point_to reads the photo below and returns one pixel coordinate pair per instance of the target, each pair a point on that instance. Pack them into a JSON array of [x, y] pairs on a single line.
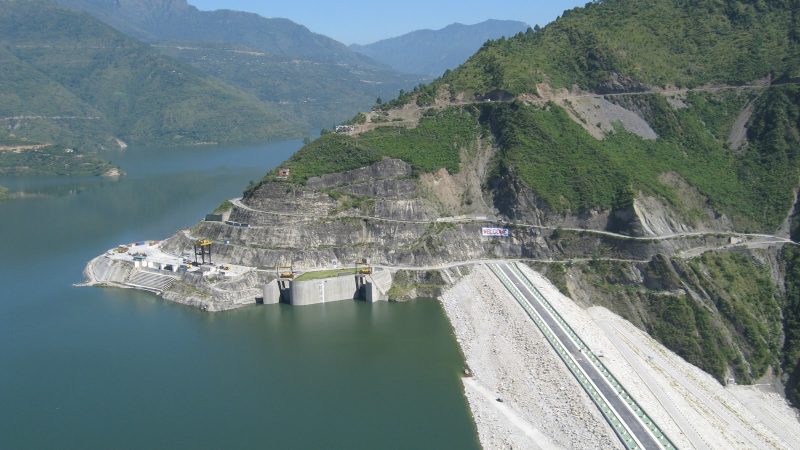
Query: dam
[[219, 286], [369, 288]]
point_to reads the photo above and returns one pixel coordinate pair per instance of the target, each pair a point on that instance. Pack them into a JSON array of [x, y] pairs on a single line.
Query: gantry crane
[[202, 249]]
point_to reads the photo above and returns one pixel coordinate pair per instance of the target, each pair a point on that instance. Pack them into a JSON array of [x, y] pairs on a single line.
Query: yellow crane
[[363, 267], [202, 249], [284, 272]]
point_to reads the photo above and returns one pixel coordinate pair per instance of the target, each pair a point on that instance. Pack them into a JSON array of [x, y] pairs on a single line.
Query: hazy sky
[[365, 21]]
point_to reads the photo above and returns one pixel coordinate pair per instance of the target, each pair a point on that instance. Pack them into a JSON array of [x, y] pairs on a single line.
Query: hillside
[[313, 94], [20, 156], [314, 80], [69, 79], [622, 45], [635, 156], [431, 52]]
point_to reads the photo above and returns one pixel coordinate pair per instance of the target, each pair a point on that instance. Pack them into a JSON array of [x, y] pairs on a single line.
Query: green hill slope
[[618, 45], [177, 20], [76, 81]]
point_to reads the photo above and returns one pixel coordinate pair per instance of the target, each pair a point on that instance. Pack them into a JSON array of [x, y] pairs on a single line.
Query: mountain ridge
[[431, 52], [171, 20]]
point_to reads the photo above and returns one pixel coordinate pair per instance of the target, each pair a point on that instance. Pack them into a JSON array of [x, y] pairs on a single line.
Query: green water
[[112, 369]]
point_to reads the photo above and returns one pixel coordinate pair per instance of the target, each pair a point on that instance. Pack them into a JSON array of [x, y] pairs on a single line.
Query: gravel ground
[[543, 406]]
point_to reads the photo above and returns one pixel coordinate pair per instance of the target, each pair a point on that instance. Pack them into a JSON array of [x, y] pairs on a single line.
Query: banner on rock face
[[495, 232]]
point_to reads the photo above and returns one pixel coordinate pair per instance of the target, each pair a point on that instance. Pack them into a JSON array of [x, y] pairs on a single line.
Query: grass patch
[[223, 207], [434, 144], [319, 275], [744, 294]]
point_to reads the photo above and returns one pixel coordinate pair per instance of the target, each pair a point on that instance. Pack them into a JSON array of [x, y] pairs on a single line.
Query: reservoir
[[85, 368]]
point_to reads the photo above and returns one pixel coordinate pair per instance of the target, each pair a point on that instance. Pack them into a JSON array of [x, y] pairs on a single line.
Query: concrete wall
[[323, 291], [379, 282], [272, 293], [335, 289]]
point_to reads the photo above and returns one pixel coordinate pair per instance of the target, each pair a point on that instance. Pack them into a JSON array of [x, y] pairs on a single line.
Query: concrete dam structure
[[370, 288], [223, 286]]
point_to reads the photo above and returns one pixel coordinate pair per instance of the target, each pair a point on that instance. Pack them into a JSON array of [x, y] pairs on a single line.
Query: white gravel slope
[[543, 406]]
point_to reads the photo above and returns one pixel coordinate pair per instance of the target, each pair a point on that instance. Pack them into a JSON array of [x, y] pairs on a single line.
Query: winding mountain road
[[765, 237]]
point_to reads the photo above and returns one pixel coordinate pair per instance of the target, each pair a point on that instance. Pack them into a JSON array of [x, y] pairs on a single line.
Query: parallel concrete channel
[[150, 281], [635, 429]]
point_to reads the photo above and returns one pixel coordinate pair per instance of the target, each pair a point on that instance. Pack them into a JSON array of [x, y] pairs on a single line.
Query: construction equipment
[[284, 272], [363, 267], [202, 249]]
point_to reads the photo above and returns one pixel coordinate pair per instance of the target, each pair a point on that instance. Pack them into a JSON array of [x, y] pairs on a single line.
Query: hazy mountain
[[176, 20], [431, 52], [67, 78], [315, 80]]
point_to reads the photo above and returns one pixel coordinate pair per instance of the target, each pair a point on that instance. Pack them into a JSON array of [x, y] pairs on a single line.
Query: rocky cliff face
[[384, 213]]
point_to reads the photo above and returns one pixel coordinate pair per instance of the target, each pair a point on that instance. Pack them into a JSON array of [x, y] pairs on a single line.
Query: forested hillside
[[66, 78]]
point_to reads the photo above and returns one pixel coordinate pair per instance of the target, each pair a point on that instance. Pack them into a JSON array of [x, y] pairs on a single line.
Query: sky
[[366, 21]]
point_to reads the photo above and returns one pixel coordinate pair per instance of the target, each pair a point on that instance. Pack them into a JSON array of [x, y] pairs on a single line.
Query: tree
[[379, 101]]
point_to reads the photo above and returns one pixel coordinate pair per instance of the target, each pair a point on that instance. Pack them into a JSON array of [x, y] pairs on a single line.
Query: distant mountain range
[[431, 52], [67, 78], [176, 20], [314, 80]]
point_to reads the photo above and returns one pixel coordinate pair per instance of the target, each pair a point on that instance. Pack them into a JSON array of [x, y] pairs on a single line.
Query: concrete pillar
[[272, 293], [369, 293]]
